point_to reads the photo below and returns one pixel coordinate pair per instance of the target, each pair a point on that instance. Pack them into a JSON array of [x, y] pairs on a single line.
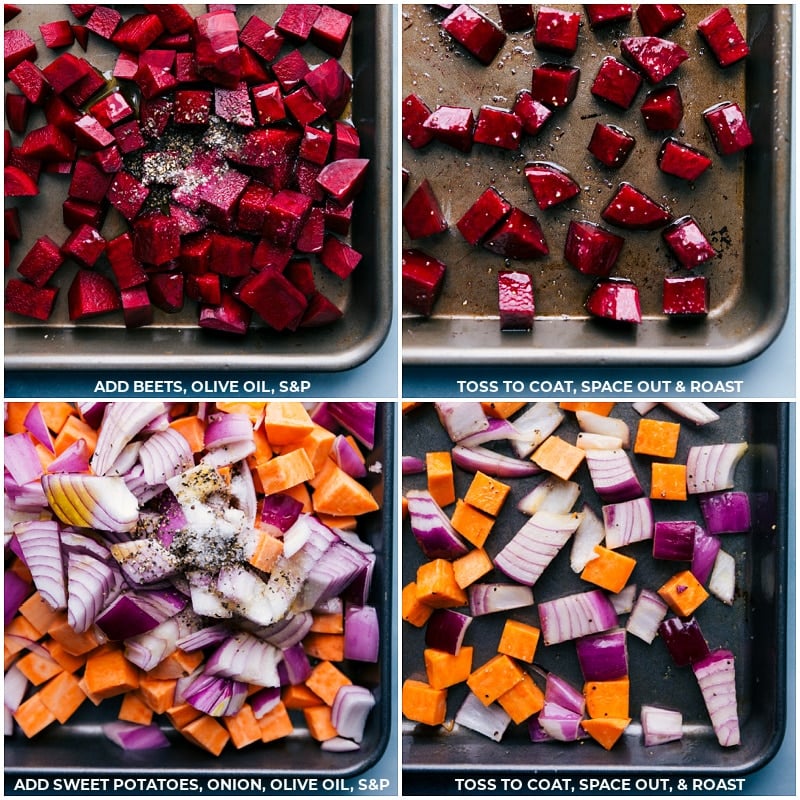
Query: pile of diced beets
[[233, 169], [494, 224]]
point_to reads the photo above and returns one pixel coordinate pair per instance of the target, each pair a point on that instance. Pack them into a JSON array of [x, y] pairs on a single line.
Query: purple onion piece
[[490, 721], [628, 522], [660, 725], [684, 640], [130, 736], [489, 598], [705, 552], [561, 694], [35, 425], [40, 544], [481, 459], [358, 418], [15, 590], [361, 634], [411, 465], [726, 512], [350, 710], [613, 476], [461, 419], [674, 540], [576, 615], [648, 613], [446, 629], [20, 458], [74, 458], [716, 676], [431, 528], [603, 656]]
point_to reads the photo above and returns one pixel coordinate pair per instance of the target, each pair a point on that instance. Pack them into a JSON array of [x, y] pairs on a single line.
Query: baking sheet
[[80, 747], [741, 203], [754, 628], [174, 341]]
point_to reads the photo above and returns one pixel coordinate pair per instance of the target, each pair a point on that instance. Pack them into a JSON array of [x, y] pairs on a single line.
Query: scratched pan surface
[[742, 202], [753, 628], [80, 747], [174, 341]]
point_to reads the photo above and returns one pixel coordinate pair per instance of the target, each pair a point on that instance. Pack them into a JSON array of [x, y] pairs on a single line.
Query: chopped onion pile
[[200, 561], [500, 543]]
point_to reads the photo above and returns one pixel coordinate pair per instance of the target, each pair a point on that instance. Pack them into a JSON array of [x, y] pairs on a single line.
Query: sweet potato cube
[[473, 525], [494, 678], [668, 482], [444, 669], [657, 438], [471, 567], [683, 593], [519, 640], [522, 700], [608, 569], [439, 466], [607, 698], [413, 610], [559, 457], [437, 587], [487, 494], [422, 703]]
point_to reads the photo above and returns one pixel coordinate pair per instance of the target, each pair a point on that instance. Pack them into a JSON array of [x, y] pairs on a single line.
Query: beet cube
[[320, 311], [662, 109], [230, 316], [138, 32], [303, 106], [166, 291], [452, 125], [286, 213], [616, 82], [90, 134], [682, 160], [216, 36], [90, 294], [89, 182], [515, 300], [91, 83], [684, 640], [10, 11], [154, 80], [156, 239], [261, 38], [174, 17], [268, 101], [31, 81], [656, 58], [84, 245], [77, 212], [339, 257], [297, 21], [64, 71], [316, 145], [17, 47], [128, 136], [195, 254], [18, 109], [475, 32], [206, 288], [685, 296], [415, 112], [555, 85], [301, 274], [154, 116], [17, 183], [233, 105], [591, 249], [127, 194], [518, 236], [48, 143], [311, 238], [252, 209], [615, 299], [551, 184], [28, 300], [275, 299], [331, 85], [304, 180], [331, 30], [344, 178], [610, 145], [112, 109], [532, 113], [658, 18], [422, 214], [12, 226], [600, 14], [556, 30], [127, 270], [488, 211], [515, 16], [423, 278], [192, 107], [723, 36], [728, 127], [687, 242], [104, 21], [231, 256], [631, 208], [136, 308], [498, 128], [338, 217], [290, 70], [41, 261]]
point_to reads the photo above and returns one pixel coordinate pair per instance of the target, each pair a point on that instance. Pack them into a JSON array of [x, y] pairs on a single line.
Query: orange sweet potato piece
[[206, 732], [275, 724], [324, 646], [487, 494], [341, 495], [134, 709], [441, 485], [33, 716], [158, 693], [75, 428], [332, 622], [286, 422], [668, 482], [63, 696], [193, 430], [318, 721], [494, 678], [284, 471], [56, 413], [437, 587], [422, 703], [38, 613], [325, 681], [501, 409], [596, 407], [606, 731], [607, 698], [559, 457], [473, 525], [472, 566], [243, 727], [38, 668], [15, 416], [317, 444], [74, 643], [657, 438], [444, 669], [413, 610], [299, 696], [109, 673], [181, 715], [519, 640], [522, 700], [608, 569], [266, 552], [683, 593]]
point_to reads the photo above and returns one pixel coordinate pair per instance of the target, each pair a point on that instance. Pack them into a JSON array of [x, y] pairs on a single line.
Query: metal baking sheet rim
[[343, 346], [443, 340]]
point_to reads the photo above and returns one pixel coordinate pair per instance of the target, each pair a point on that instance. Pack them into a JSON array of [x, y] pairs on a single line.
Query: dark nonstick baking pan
[[742, 203], [173, 340], [80, 748], [754, 627]]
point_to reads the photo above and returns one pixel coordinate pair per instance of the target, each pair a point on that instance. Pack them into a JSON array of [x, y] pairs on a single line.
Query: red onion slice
[[446, 629], [40, 544], [534, 426], [92, 501], [481, 459], [613, 476], [130, 736], [121, 422], [350, 710], [603, 656], [435, 535], [490, 721], [576, 615], [627, 522], [35, 425], [489, 598], [461, 419], [710, 468], [647, 614], [590, 532], [661, 725], [552, 494], [716, 676], [592, 423], [722, 582], [164, 455], [20, 458]]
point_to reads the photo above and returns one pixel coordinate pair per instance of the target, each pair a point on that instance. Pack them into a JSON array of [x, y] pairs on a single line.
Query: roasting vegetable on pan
[[201, 563], [481, 567]]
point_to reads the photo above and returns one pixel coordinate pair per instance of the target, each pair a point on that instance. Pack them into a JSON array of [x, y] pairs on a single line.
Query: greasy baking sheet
[[754, 628], [173, 340], [80, 747], [742, 203]]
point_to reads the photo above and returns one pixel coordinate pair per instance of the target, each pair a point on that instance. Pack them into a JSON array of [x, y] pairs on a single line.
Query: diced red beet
[[515, 16], [475, 32], [303, 106], [28, 300], [174, 16], [90, 294], [12, 229], [316, 145], [346, 141], [610, 145], [297, 20], [286, 213], [268, 102], [320, 311], [556, 30], [104, 21], [656, 58], [231, 256], [108, 159], [127, 270], [422, 214], [156, 239], [31, 81], [269, 255], [111, 110], [89, 134], [518, 236], [41, 261], [136, 308], [154, 80], [64, 71], [685, 296], [452, 125], [331, 85], [252, 208], [91, 83], [331, 29], [261, 38], [138, 32], [81, 33], [230, 316], [590, 248], [337, 217], [275, 299], [233, 105], [532, 113], [498, 127], [304, 180], [415, 112], [555, 85], [216, 37], [154, 116], [423, 278], [81, 10], [615, 299], [48, 143], [515, 300], [723, 36], [551, 184], [687, 242], [78, 212], [205, 288], [166, 290], [311, 238], [18, 109], [17, 47], [662, 109], [290, 70], [10, 11], [17, 183], [600, 14], [192, 107], [32, 167], [128, 136], [616, 82], [631, 208], [127, 194], [658, 18], [339, 257], [195, 254], [728, 127], [186, 69], [85, 245], [300, 272], [486, 213], [344, 178], [682, 160]]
